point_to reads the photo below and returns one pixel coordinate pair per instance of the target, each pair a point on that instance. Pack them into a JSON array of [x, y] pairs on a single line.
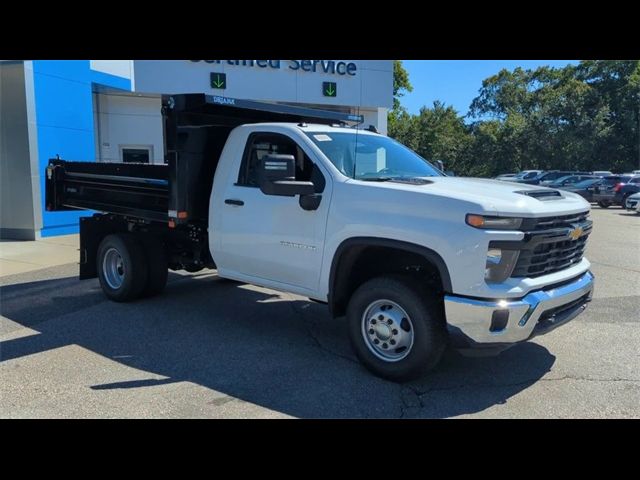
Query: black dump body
[[131, 189], [196, 128]]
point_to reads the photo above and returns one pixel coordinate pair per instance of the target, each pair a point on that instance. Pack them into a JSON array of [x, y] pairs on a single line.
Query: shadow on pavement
[[256, 345]]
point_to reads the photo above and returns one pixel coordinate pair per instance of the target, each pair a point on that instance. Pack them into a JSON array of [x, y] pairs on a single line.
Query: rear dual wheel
[[130, 267]]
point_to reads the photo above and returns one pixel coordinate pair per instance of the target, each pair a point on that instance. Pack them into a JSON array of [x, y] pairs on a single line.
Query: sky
[[456, 82]]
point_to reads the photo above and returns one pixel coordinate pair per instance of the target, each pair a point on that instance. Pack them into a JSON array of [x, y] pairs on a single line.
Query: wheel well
[[92, 231], [186, 248], [357, 262]]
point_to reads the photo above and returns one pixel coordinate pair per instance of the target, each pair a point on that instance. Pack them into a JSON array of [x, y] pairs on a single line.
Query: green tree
[[615, 84], [441, 134], [401, 83], [398, 120], [580, 117], [402, 126]]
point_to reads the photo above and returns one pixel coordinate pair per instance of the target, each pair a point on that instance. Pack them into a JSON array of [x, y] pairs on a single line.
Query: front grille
[[546, 223], [548, 246]]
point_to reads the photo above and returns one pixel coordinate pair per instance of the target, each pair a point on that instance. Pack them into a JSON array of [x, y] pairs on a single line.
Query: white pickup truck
[[297, 201]]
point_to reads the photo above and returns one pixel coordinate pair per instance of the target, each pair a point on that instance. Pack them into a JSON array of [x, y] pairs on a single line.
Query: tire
[[158, 267], [603, 205], [386, 298], [125, 282]]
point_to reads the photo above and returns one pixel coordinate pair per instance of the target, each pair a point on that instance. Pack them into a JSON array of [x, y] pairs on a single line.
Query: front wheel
[[603, 205], [397, 329]]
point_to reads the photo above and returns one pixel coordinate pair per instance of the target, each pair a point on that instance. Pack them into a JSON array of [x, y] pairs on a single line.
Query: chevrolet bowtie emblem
[[576, 233]]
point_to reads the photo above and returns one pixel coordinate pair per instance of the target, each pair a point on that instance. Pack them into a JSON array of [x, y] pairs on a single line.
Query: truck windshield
[[372, 157]]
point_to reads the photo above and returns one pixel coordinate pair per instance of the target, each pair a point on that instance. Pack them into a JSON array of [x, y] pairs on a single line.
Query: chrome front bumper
[[483, 323]]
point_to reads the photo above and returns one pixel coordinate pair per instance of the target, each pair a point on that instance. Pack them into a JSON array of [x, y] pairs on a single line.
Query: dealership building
[[109, 111]]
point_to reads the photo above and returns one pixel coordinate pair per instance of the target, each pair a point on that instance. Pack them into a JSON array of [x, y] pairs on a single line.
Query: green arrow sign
[[329, 89], [219, 80]]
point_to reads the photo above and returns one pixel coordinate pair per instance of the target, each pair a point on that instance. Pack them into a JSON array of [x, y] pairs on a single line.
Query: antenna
[[355, 149]]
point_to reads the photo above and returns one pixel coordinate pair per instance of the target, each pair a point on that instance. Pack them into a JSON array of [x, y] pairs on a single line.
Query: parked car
[[633, 203], [626, 190], [549, 179], [584, 188], [607, 193], [506, 176], [601, 173], [568, 180], [526, 175], [545, 176]]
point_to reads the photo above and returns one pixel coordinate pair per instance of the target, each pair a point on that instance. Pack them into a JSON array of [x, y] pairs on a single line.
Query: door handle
[[231, 201]]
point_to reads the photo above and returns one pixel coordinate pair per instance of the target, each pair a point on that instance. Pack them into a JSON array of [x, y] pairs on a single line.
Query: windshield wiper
[[376, 179], [407, 179]]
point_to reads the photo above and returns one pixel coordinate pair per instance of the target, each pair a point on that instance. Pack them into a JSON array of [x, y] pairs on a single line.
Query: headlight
[[500, 264], [493, 223]]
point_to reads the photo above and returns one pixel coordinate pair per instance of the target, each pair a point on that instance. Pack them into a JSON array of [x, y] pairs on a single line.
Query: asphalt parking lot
[[217, 349]]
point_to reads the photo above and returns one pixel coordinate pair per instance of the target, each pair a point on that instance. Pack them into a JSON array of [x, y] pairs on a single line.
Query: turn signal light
[[475, 220], [495, 223]]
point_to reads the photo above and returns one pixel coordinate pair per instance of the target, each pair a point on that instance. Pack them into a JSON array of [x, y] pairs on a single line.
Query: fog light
[[494, 255], [500, 264], [499, 320]]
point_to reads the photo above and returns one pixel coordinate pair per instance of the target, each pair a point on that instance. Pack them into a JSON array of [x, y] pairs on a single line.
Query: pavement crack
[[410, 397], [587, 379], [309, 325], [520, 383]]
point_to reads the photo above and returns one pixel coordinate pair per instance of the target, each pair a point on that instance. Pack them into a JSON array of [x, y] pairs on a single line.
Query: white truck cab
[[414, 260]]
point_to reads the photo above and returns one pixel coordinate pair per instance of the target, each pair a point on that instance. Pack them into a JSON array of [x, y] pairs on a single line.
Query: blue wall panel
[[69, 69], [110, 80], [63, 103], [64, 115]]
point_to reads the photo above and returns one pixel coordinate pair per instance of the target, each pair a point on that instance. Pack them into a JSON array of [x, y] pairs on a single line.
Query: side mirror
[[277, 176], [450, 173]]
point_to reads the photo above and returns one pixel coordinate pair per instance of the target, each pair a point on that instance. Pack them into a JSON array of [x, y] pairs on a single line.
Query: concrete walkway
[[25, 256]]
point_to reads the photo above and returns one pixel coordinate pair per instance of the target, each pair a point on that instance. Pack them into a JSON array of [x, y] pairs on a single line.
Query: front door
[[271, 237]]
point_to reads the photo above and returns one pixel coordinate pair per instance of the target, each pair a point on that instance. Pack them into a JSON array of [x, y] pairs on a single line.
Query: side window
[[261, 144]]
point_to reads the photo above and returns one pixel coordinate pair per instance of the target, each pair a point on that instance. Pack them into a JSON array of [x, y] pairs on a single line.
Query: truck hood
[[497, 197]]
